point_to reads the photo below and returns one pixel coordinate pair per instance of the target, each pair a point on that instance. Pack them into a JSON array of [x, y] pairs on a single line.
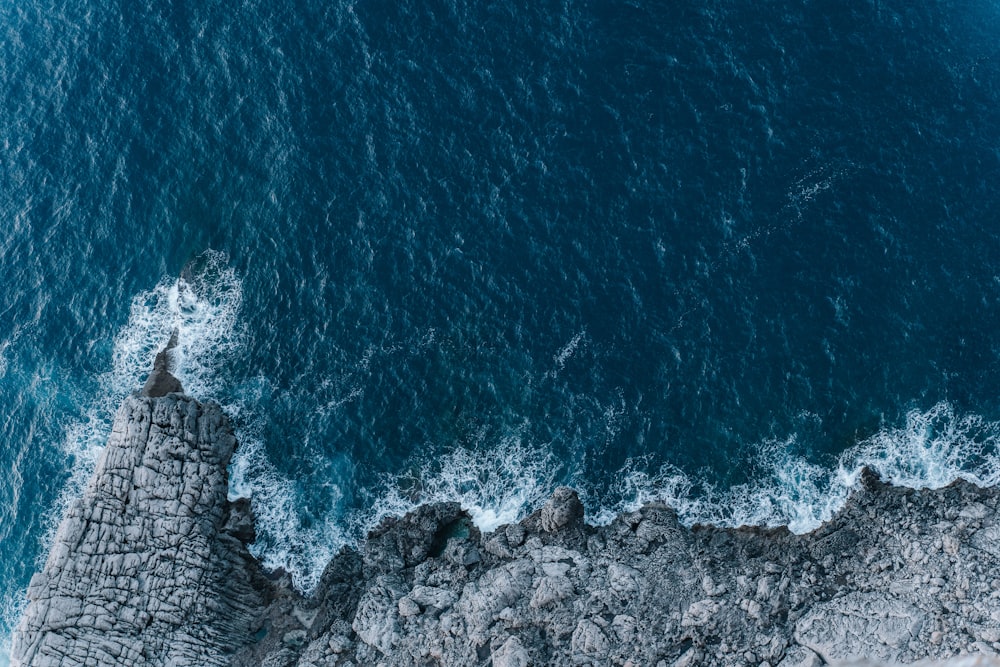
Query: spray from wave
[[503, 483], [931, 449], [202, 307], [10, 611], [286, 540], [495, 486]]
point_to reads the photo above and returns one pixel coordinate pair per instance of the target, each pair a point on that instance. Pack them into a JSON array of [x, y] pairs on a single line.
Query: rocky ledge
[[150, 567]]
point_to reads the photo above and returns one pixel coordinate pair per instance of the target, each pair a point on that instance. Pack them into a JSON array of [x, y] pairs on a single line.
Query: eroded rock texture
[[147, 567], [899, 575]]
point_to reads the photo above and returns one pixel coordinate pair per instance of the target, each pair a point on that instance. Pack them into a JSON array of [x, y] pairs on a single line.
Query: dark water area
[[720, 254]]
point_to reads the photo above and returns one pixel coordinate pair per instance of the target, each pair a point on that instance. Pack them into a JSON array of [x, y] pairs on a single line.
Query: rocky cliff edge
[[150, 567]]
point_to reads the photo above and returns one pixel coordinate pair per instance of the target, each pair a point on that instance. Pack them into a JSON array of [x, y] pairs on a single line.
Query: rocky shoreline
[[150, 567]]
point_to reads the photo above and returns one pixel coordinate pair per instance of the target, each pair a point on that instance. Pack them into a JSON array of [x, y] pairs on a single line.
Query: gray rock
[[511, 654], [859, 626], [142, 571], [150, 568], [550, 591], [432, 597], [800, 656], [377, 619], [562, 509], [589, 640], [161, 382], [700, 613]]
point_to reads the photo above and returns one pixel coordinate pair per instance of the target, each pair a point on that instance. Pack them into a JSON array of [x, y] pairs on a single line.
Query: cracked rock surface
[[897, 576], [145, 569], [150, 568]]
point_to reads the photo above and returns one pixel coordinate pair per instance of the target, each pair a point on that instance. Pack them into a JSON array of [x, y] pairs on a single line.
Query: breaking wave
[[502, 484], [285, 539], [496, 486], [931, 449], [202, 307]]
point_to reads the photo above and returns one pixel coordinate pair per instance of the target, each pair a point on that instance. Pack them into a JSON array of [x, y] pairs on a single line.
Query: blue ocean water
[[718, 253]]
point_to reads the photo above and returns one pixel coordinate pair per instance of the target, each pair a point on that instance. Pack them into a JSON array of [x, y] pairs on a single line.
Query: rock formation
[[150, 568], [161, 381], [899, 575]]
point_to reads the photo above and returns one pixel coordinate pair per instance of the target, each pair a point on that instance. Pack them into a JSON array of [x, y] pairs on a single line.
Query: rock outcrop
[[161, 381], [150, 568], [898, 576]]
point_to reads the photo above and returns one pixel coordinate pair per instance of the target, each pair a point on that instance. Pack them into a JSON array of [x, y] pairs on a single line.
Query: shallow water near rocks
[[720, 255]]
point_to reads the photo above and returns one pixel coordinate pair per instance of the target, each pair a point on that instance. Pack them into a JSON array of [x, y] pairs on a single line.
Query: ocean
[[720, 254]]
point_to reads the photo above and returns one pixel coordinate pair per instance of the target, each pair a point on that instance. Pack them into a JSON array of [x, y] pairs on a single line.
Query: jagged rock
[[800, 656], [589, 640], [377, 620], [433, 598], [978, 660], [562, 509], [404, 542], [143, 571], [150, 568], [161, 382], [551, 590], [511, 654], [700, 613]]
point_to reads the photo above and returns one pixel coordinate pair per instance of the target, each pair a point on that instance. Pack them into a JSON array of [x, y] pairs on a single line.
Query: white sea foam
[[203, 308], [10, 612], [503, 484], [931, 449], [283, 540], [496, 485], [566, 351], [3, 357]]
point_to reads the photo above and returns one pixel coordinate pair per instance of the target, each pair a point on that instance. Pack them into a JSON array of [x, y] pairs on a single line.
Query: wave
[[496, 483], [10, 612], [496, 486], [931, 449], [502, 484], [284, 540], [202, 306]]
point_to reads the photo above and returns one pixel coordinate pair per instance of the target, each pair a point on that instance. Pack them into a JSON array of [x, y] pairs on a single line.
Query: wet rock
[[561, 510], [160, 381], [403, 542]]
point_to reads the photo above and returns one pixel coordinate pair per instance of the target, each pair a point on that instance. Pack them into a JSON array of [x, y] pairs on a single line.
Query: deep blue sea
[[717, 253]]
